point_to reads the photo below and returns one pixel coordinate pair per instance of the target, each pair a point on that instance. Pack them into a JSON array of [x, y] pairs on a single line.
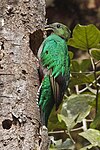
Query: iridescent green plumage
[[55, 64], [46, 99]]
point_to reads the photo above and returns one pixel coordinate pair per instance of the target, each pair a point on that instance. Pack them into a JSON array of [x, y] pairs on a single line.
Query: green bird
[[54, 68]]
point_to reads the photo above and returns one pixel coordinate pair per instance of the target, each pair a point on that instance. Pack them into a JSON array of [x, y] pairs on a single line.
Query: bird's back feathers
[[54, 60]]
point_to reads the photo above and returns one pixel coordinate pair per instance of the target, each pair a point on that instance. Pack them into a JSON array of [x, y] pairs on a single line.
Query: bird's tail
[[45, 98]]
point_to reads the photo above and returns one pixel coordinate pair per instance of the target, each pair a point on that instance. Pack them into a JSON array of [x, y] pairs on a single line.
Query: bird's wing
[[54, 57]]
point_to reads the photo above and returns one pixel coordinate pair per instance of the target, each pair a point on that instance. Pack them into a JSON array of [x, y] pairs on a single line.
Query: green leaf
[[85, 64], [75, 66], [70, 54], [93, 104], [75, 109], [79, 79], [55, 144], [95, 53], [93, 136], [53, 122], [91, 75], [69, 121], [85, 37], [58, 145], [80, 67], [98, 46], [96, 122]]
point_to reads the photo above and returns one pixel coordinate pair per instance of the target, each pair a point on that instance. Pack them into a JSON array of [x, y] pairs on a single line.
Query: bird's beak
[[49, 27]]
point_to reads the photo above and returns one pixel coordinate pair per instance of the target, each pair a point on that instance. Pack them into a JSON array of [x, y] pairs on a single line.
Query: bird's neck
[[65, 39], [52, 33]]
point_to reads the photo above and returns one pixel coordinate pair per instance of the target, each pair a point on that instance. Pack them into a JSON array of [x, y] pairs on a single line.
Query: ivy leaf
[[75, 66], [85, 64], [69, 121], [85, 37], [75, 108], [95, 53], [79, 79], [93, 136], [59, 144]]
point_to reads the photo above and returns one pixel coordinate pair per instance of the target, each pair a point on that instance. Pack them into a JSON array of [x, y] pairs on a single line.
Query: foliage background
[[76, 125]]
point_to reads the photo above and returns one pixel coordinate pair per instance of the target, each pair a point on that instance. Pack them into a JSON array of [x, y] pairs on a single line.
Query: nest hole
[[35, 40], [6, 124]]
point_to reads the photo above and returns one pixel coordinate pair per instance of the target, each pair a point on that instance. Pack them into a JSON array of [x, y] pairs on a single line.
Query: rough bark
[[19, 112]]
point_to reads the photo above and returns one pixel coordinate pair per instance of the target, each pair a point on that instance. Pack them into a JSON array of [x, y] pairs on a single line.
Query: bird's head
[[59, 29]]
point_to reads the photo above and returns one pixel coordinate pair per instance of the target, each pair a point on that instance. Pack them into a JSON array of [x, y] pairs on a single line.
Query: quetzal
[[54, 68]]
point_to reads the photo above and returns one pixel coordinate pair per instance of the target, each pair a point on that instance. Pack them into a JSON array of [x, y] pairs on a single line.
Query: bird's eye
[[58, 25]]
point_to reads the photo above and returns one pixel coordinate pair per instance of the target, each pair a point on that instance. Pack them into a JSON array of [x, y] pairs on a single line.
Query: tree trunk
[[19, 113]]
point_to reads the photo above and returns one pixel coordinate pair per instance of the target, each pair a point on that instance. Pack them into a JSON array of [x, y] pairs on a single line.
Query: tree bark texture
[[19, 112]]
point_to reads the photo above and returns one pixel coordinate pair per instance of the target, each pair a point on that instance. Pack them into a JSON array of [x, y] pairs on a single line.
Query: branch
[[88, 87], [72, 130]]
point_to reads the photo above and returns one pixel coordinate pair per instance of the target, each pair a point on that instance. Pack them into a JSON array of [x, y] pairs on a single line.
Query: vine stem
[[89, 87], [72, 130], [96, 82], [71, 137]]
